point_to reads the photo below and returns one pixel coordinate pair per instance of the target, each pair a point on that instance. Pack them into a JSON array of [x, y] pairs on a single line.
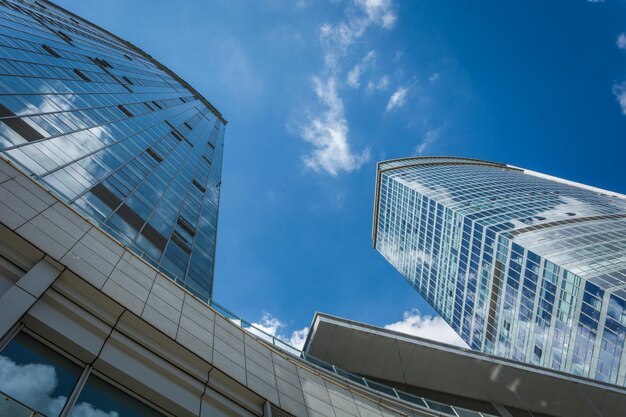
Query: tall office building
[[109, 185], [115, 135], [520, 264]]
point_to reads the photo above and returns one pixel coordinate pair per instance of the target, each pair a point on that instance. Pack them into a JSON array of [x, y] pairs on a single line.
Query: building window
[[154, 154], [36, 375], [124, 110], [20, 126], [81, 74], [198, 185], [99, 398], [65, 37], [51, 51]]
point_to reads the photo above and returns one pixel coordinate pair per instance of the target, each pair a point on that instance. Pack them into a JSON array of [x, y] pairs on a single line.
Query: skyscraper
[[521, 264], [109, 186], [115, 134]]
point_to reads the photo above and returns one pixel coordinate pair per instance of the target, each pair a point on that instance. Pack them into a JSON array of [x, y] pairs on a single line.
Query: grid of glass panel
[[42, 380], [522, 266], [114, 134]]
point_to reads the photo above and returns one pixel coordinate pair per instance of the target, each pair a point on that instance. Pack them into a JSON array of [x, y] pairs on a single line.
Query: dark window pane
[[36, 375], [99, 398]]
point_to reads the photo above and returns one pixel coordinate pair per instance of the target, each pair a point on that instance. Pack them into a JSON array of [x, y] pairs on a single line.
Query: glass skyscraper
[[520, 264], [114, 134]]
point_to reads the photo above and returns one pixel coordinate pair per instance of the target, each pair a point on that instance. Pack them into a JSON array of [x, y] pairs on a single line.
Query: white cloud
[[595, 1], [328, 133], [427, 327], [336, 39], [429, 138], [298, 337], [354, 76], [433, 77], [275, 327], [328, 130], [621, 41], [380, 85], [32, 384], [620, 93], [87, 410], [397, 99], [269, 324], [379, 12]]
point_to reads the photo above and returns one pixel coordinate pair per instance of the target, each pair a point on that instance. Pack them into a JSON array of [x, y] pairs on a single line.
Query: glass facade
[[34, 378], [520, 264], [36, 375], [114, 134]]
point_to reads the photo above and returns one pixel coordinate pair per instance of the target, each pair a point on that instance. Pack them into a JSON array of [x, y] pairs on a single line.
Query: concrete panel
[[167, 291], [230, 336], [343, 401], [13, 304], [317, 407], [216, 405], [88, 264], [294, 407], [367, 408], [146, 335], [40, 277], [57, 226], [33, 194], [203, 331], [7, 171], [289, 390], [136, 270], [71, 221], [262, 387], [88, 297], [285, 370], [13, 211], [46, 240], [17, 250], [199, 312], [150, 376], [229, 387], [194, 344], [152, 314], [25, 197], [73, 329], [227, 365], [313, 385], [128, 298]]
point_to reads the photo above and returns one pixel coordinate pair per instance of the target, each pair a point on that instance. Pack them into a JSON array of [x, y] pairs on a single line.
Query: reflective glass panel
[[36, 375], [99, 398]]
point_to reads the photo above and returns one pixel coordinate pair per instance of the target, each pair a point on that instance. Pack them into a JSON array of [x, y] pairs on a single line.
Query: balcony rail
[[416, 401], [440, 408]]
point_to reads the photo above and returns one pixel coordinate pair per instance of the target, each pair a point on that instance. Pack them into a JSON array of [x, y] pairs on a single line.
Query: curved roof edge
[[140, 51], [399, 163], [402, 359]]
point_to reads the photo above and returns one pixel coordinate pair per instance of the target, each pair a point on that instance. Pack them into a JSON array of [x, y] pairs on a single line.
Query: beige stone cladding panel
[[260, 369], [228, 349], [196, 327]]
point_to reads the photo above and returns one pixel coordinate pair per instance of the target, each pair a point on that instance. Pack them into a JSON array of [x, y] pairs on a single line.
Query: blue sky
[[318, 91]]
